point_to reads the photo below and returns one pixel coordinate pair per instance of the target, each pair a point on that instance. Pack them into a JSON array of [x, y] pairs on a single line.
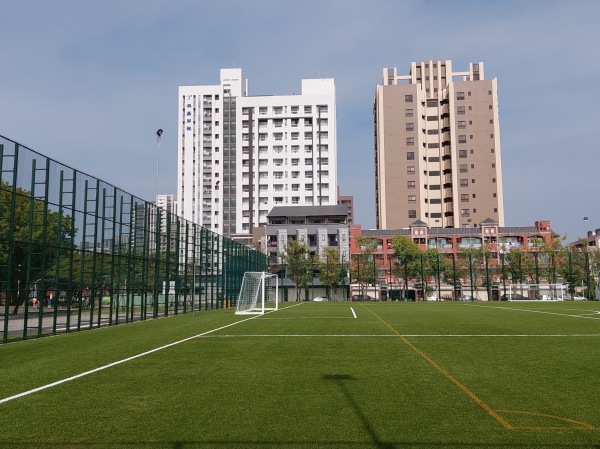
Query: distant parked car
[[320, 299], [362, 298], [465, 298]]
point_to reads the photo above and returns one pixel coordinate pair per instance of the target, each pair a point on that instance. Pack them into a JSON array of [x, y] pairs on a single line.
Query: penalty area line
[[118, 362]]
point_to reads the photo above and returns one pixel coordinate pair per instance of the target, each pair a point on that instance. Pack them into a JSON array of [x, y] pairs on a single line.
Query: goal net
[[258, 294], [537, 292]]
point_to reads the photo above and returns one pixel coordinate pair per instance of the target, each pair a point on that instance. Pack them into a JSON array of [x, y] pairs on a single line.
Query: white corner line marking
[[110, 365], [353, 312]]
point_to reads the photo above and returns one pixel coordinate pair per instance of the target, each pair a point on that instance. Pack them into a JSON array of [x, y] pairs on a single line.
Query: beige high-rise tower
[[437, 147]]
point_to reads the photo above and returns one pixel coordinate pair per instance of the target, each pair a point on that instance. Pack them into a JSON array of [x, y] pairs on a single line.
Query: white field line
[[110, 365], [403, 335], [593, 315], [353, 313]]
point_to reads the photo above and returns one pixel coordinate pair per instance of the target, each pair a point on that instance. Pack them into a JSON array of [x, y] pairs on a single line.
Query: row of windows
[[461, 95], [282, 187], [277, 110], [279, 123], [281, 162], [281, 149], [462, 183], [308, 135]]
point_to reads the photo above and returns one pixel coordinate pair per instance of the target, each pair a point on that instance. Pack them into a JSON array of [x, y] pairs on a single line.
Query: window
[[294, 109], [411, 184], [432, 103], [308, 161], [433, 145], [412, 199], [462, 138], [295, 161], [464, 197], [262, 110], [464, 183], [307, 109], [410, 126], [295, 174], [410, 156], [460, 95], [408, 98], [308, 148], [308, 122], [278, 123], [434, 187], [410, 141], [462, 124], [409, 112], [432, 118], [434, 173], [433, 131], [434, 159], [465, 213], [410, 169], [462, 153], [460, 110], [412, 213]]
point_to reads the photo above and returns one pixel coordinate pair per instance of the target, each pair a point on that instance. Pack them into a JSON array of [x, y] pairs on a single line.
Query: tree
[[32, 238], [407, 255], [363, 268], [297, 258], [329, 269]]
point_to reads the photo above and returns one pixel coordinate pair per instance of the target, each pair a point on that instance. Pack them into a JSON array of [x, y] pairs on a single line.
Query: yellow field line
[[447, 375]]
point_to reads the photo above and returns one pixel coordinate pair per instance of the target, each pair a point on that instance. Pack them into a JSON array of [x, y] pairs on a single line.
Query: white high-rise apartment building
[[239, 155]]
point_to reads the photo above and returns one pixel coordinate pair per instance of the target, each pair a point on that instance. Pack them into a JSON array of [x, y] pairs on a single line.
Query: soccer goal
[[537, 292], [258, 294]]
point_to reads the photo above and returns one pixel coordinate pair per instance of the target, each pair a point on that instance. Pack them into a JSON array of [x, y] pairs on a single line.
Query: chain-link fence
[[78, 253]]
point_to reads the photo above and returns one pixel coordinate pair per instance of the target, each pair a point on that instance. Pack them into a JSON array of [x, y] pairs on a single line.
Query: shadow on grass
[[341, 380]]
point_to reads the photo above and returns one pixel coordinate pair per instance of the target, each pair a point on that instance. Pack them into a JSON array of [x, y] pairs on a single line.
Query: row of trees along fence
[[576, 265]]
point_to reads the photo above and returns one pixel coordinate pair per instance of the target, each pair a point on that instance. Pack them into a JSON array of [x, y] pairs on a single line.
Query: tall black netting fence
[[78, 253]]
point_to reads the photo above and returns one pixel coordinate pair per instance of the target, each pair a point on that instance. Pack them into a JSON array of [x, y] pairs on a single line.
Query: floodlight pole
[[158, 136]]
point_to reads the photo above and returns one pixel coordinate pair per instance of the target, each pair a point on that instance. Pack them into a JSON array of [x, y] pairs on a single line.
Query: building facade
[[449, 242], [241, 155], [348, 201], [437, 147]]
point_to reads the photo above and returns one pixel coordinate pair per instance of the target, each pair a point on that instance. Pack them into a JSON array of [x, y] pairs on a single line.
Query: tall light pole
[[158, 136]]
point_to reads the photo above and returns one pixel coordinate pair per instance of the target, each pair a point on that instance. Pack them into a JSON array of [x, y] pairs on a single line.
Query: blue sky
[[89, 83]]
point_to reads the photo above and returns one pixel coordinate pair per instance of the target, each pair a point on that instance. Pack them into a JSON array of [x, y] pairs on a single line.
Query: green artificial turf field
[[315, 375]]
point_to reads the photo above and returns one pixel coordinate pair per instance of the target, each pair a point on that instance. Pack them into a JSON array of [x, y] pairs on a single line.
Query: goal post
[[259, 293], [537, 292]]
